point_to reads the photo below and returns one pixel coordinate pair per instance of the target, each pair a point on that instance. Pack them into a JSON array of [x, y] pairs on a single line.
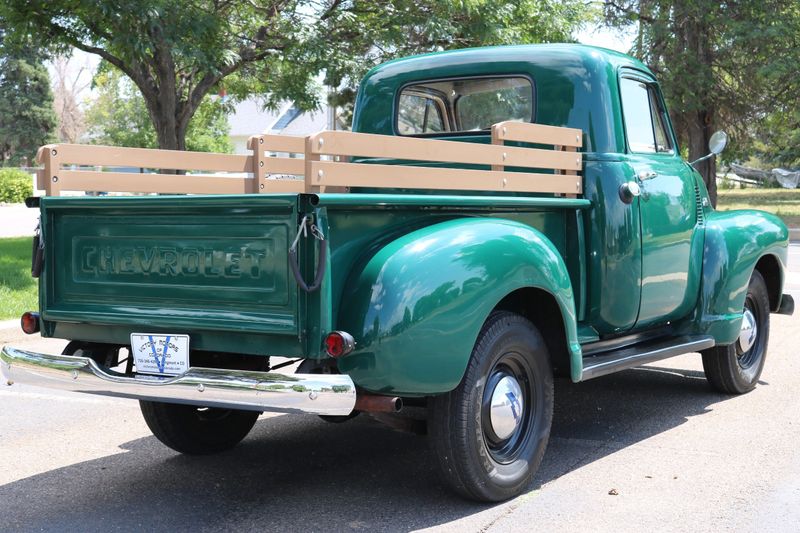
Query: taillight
[[339, 343], [30, 322]]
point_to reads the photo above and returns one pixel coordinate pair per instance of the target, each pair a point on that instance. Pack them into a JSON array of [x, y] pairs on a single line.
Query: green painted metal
[[437, 201], [574, 86], [613, 249], [414, 274], [417, 306], [734, 242], [671, 240], [181, 264]]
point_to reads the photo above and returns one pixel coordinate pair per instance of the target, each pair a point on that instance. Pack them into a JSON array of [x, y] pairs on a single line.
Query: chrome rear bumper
[[322, 394]]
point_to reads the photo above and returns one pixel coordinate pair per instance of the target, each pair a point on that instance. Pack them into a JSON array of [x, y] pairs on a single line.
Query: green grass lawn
[[783, 202], [18, 290]]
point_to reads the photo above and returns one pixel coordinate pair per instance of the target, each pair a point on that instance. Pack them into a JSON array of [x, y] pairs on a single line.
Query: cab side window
[[420, 113], [645, 121]]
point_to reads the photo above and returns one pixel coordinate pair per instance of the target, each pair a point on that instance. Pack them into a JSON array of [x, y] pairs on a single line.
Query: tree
[[360, 35], [118, 117], [778, 137], [722, 64], [27, 118], [68, 87], [177, 52]]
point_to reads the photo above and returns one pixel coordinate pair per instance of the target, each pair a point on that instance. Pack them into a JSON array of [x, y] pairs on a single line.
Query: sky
[[615, 39]]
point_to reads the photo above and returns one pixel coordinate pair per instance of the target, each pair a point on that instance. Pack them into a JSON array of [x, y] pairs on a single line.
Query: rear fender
[[417, 307]]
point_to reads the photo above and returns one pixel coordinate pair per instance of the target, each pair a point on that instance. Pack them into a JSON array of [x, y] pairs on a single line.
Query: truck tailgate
[[171, 263]]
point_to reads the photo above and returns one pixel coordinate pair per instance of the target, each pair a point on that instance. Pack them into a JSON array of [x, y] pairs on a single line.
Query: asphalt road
[[679, 456]]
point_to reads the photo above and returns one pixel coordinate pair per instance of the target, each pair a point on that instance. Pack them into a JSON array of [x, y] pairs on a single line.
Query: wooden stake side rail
[[321, 161]]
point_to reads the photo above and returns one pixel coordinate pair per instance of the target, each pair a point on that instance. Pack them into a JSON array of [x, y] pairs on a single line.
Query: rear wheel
[[736, 368], [197, 430], [490, 433]]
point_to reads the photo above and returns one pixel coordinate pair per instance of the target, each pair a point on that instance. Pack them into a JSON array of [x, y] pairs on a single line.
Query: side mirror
[[716, 144]]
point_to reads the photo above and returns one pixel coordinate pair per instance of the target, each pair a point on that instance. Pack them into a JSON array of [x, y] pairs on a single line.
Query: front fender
[[734, 243], [416, 308]]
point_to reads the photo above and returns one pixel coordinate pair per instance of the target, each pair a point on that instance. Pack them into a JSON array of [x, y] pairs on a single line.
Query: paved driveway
[[16, 220]]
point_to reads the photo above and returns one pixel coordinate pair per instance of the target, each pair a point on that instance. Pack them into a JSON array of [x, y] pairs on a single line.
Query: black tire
[[196, 430], [473, 460], [730, 369]]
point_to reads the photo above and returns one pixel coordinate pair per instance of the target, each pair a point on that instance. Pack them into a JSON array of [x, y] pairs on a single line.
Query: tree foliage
[[360, 35], [176, 52], [15, 185], [721, 64], [27, 118], [778, 140], [118, 117]]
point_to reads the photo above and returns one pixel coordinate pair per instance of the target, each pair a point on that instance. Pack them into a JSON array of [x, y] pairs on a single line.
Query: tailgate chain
[[37, 257], [323, 255]]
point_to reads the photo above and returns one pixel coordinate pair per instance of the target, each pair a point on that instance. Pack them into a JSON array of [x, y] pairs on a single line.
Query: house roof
[[250, 118]]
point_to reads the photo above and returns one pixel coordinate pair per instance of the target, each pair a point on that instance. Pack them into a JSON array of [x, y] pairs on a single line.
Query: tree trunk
[[693, 35], [170, 125], [700, 130], [171, 135]]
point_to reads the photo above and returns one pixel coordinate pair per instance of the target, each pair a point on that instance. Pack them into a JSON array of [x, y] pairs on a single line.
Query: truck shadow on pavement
[[300, 473]]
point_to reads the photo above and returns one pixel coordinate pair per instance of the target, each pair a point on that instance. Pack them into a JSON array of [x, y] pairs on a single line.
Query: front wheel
[[736, 368], [197, 430], [490, 433]]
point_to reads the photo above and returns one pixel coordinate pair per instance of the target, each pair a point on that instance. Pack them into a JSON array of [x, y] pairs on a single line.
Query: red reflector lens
[[339, 343], [30, 322], [334, 344]]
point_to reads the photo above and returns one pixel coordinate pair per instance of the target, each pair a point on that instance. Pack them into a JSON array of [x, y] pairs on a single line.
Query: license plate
[[166, 355]]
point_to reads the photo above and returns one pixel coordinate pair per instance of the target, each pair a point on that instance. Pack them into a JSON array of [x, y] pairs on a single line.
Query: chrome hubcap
[[507, 407], [749, 331]]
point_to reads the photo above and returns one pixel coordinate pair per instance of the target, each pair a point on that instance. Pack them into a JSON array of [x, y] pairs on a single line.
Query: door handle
[[647, 175], [628, 191]]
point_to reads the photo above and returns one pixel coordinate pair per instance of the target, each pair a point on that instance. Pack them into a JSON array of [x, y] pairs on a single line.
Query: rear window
[[463, 105]]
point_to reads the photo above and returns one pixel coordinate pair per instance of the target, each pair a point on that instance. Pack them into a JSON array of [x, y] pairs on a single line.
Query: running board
[[599, 365]]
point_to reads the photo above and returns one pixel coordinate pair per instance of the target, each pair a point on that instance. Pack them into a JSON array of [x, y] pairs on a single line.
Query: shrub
[[15, 185]]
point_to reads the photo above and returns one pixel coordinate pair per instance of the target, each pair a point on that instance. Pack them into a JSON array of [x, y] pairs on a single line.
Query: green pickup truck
[[497, 217]]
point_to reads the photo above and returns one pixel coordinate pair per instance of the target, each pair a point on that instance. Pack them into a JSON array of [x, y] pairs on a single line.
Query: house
[[250, 118]]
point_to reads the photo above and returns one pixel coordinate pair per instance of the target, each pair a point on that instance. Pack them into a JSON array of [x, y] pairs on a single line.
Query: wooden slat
[[259, 172], [283, 143], [40, 179], [537, 134], [327, 173], [309, 160], [88, 180], [284, 186], [45, 156], [284, 165], [572, 150], [344, 143], [84, 154]]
